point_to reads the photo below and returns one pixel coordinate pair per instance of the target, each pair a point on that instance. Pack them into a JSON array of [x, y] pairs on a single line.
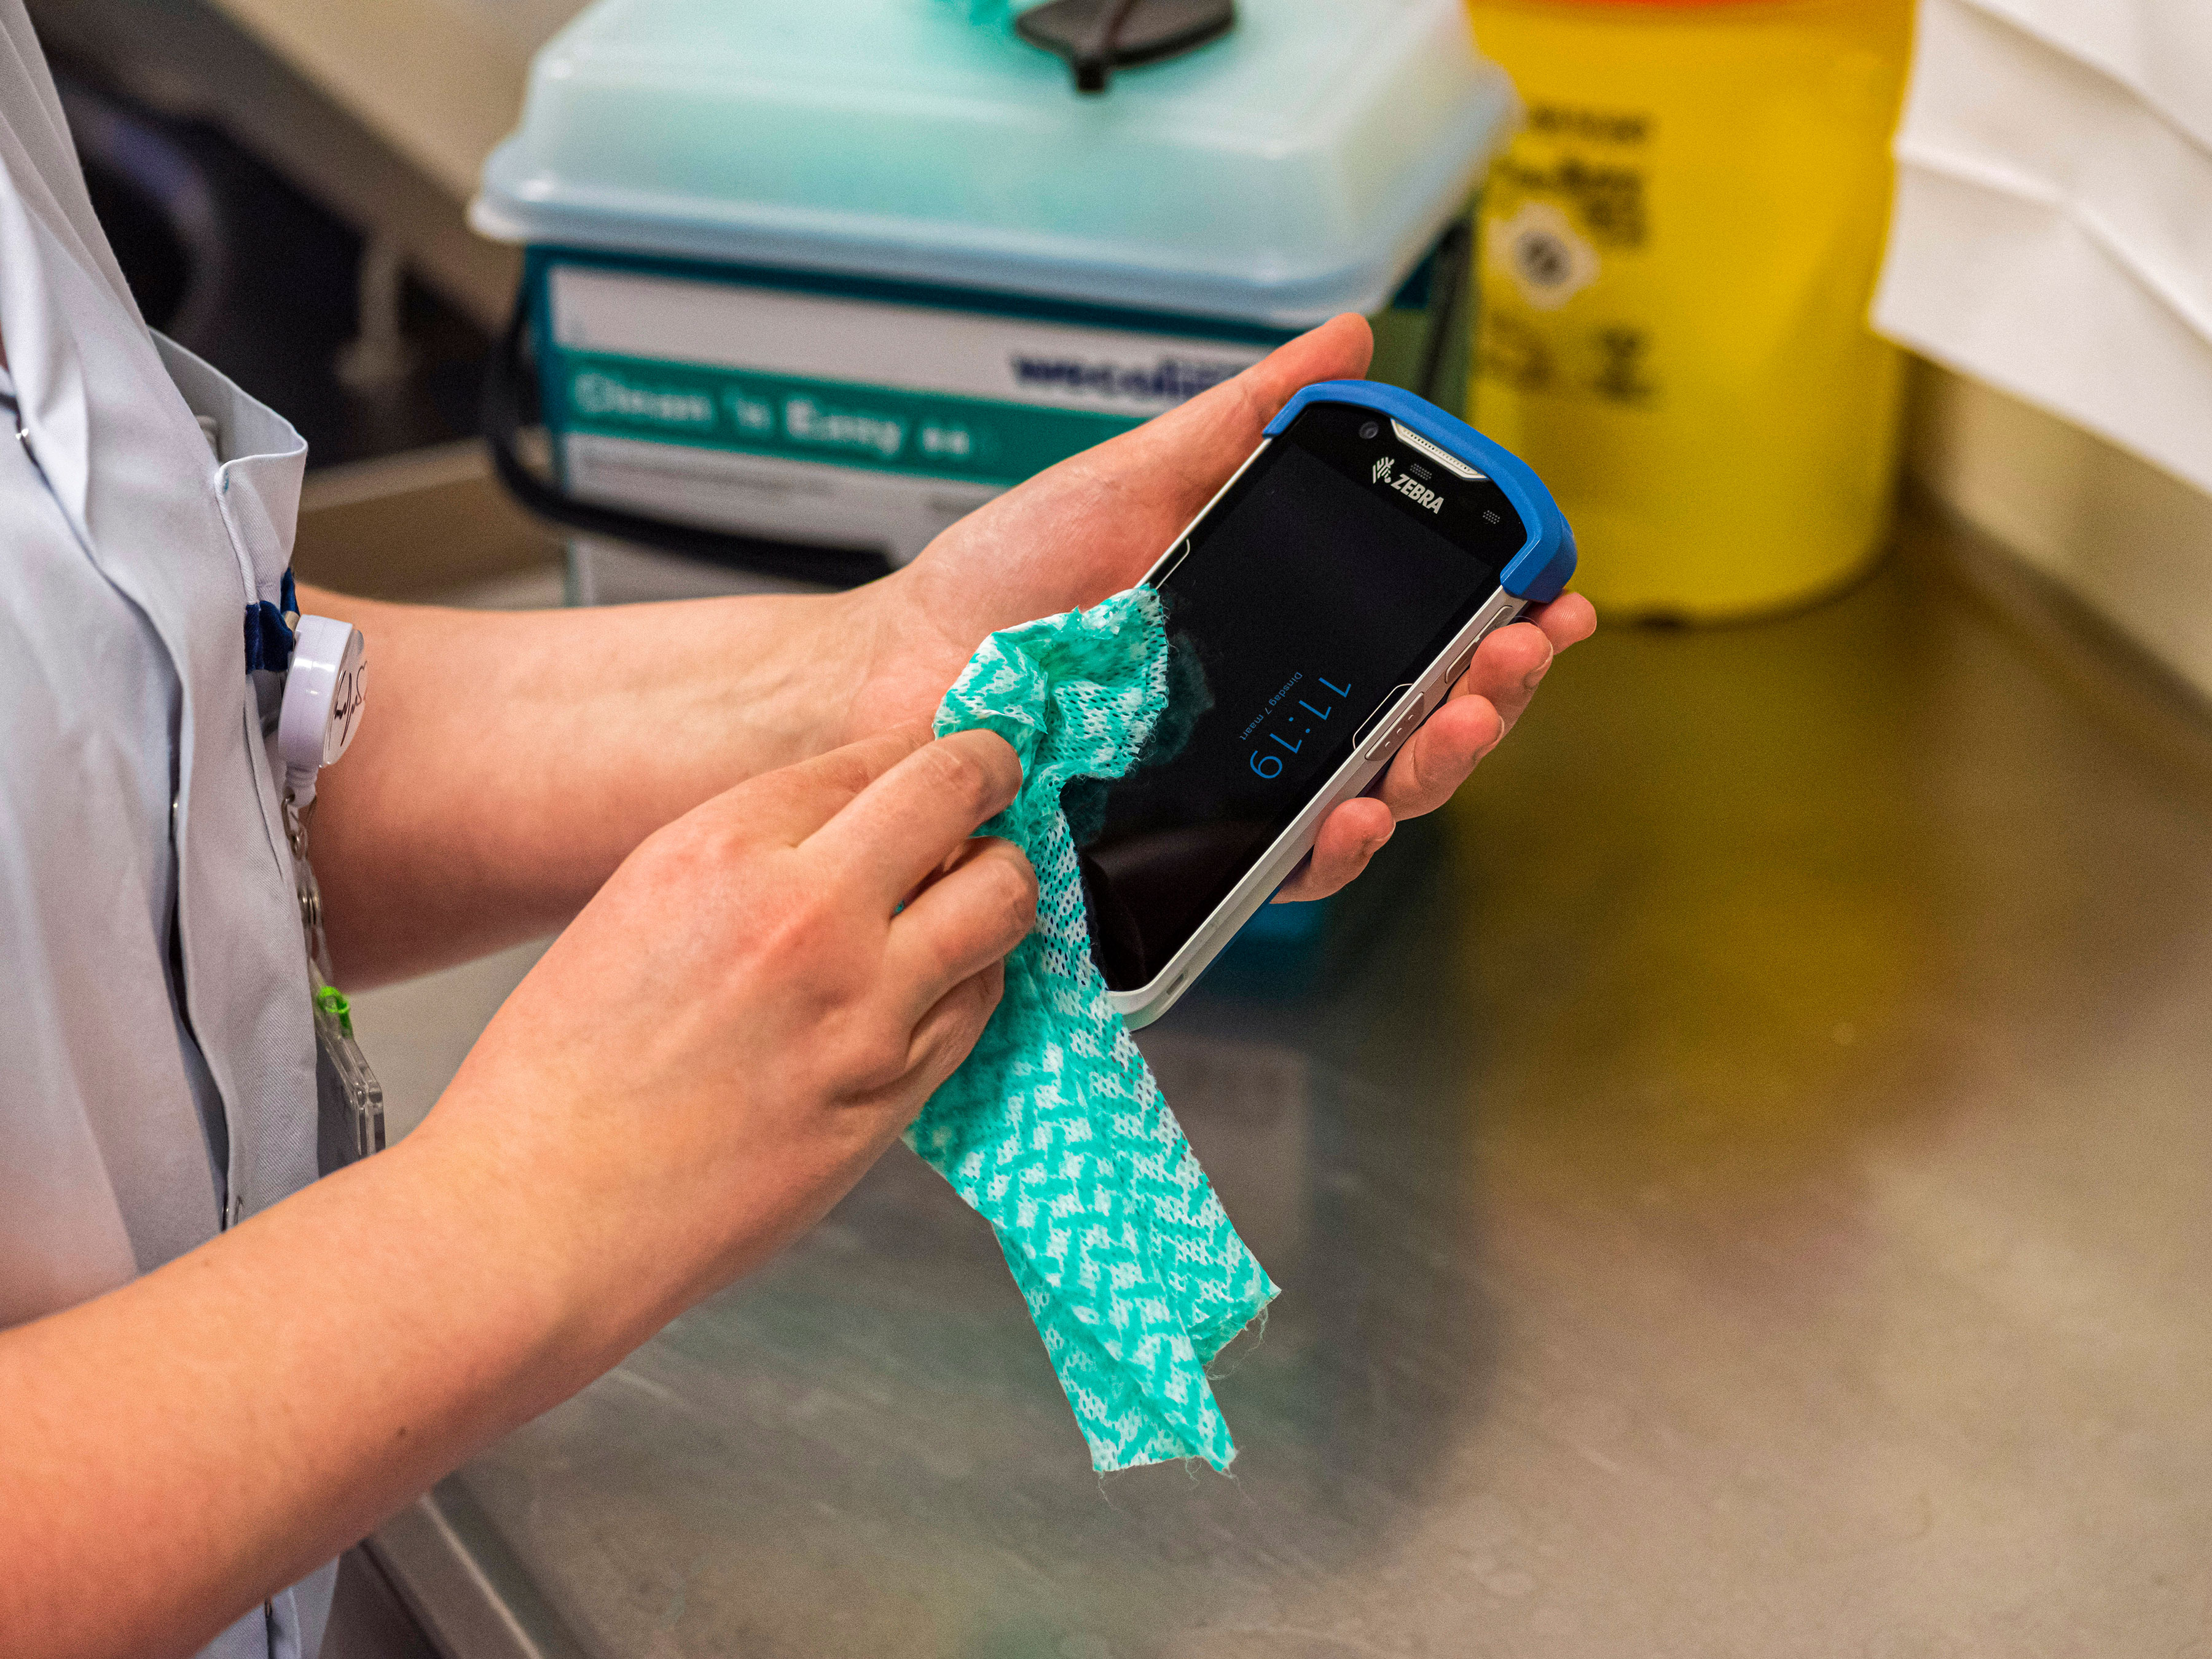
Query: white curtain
[[2053, 228]]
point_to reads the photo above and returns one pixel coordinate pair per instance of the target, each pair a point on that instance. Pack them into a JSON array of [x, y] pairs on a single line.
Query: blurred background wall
[[2131, 543]]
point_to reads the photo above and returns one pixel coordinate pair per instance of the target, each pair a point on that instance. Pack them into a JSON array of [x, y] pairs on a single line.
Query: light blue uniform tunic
[[157, 1054]]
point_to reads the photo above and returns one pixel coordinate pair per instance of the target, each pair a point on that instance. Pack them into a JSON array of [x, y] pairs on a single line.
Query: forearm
[[181, 1448], [683, 1083], [508, 762]]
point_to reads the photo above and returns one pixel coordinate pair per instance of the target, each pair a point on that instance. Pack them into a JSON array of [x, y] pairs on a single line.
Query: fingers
[[1349, 836], [944, 1035], [1438, 758], [1507, 668], [1199, 443], [1568, 620], [1108, 513], [1339, 350], [1512, 661], [792, 803], [1232, 416], [906, 822], [968, 918], [1498, 684]]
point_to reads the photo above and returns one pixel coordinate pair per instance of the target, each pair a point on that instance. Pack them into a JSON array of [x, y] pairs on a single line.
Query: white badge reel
[[323, 689], [323, 694]]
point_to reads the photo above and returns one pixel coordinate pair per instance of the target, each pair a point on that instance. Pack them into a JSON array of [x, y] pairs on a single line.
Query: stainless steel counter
[[1742, 1183]]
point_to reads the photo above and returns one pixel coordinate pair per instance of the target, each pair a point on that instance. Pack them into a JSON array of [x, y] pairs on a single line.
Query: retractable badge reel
[[324, 691]]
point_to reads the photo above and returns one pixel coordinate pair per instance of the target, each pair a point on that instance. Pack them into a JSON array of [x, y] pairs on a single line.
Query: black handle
[[505, 380], [1098, 37]]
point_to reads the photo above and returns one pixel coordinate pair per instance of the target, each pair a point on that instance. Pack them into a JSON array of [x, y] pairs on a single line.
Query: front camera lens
[[1369, 430]]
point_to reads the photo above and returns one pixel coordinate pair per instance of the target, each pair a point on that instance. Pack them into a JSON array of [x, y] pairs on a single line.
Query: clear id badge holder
[[323, 693]]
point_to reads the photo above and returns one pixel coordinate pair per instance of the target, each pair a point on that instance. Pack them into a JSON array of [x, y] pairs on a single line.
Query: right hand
[[741, 1021]]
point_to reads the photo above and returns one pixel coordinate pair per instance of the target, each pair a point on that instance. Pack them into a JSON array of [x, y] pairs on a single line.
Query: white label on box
[[1107, 371]]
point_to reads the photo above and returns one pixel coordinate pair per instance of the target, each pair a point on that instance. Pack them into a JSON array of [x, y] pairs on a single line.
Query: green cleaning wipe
[[1054, 1129]]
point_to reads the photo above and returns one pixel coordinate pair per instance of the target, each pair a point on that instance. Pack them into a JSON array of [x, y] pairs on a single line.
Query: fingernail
[[1540, 670]]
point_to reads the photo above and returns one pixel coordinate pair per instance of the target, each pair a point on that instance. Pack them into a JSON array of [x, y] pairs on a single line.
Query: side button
[[1395, 733], [1374, 714], [1452, 674]]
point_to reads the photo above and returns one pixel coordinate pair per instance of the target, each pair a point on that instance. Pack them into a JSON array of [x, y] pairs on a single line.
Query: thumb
[[1207, 438]]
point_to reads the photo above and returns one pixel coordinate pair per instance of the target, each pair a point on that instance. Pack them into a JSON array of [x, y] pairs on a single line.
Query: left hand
[[1093, 525]]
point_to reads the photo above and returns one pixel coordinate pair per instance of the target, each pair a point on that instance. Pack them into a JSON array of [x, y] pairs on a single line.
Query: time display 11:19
[[1301, 721]]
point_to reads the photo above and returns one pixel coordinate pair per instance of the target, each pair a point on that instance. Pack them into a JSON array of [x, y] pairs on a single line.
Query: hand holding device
[[1096, 523], [1328, 598]]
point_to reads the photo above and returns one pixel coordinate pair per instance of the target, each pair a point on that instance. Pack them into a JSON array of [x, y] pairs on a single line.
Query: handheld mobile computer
[[1330, 596]]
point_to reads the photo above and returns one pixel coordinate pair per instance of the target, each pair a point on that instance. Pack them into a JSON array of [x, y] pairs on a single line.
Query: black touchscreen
[[1337, 569]]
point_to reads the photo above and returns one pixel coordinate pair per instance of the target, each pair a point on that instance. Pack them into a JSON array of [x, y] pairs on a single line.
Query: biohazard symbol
[[1539, 248]]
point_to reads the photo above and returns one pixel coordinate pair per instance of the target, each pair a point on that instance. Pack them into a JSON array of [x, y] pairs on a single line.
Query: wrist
[[862, 631], [805, 662]]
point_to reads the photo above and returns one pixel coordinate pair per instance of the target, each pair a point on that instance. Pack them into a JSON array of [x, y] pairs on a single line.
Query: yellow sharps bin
[[1677, 256]]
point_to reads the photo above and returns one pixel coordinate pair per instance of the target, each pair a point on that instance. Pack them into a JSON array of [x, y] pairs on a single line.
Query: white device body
[[1380, 736]]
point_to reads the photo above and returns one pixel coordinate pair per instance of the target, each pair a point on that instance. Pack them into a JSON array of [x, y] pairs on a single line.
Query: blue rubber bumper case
[[1546, 563]]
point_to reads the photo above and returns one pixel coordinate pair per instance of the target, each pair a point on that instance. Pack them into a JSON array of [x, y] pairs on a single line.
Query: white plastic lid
[[1296, 168]]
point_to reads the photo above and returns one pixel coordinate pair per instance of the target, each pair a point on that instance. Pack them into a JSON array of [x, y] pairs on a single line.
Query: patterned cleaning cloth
[[1054, 1129]]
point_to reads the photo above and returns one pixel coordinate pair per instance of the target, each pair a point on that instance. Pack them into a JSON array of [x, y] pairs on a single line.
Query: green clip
[[331, 1001]]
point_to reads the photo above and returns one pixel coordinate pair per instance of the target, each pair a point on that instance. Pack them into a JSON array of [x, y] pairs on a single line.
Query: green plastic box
[[835, 274]]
